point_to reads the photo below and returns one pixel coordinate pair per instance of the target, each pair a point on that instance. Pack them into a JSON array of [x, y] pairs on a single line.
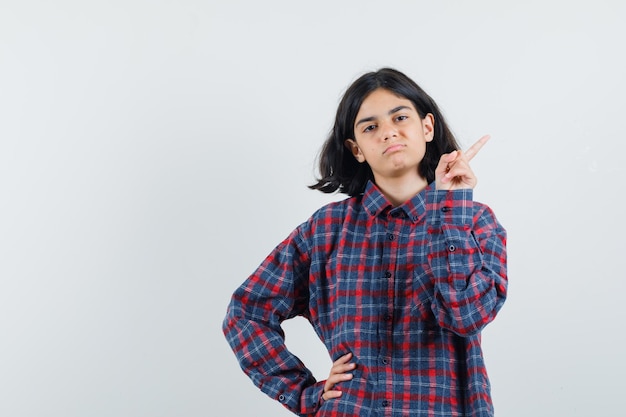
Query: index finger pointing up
[[473, 150]]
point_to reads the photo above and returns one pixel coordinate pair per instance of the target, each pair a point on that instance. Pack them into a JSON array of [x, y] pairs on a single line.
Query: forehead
[[382, 100]]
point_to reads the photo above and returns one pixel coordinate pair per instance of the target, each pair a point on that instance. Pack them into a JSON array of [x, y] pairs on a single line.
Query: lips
[[393, 148]]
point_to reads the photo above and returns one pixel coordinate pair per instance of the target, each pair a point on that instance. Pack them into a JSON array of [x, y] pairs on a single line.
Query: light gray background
[[153, 152]]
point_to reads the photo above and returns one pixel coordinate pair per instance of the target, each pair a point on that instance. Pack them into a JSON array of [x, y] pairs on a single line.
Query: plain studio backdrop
[[152, 153]]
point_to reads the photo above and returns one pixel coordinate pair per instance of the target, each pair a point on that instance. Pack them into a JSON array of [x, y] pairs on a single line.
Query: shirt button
[[446, 209], [281, 398], [390, 237], [387, 317], [387, 274], [451, 248], [385, 361], [385, 403]]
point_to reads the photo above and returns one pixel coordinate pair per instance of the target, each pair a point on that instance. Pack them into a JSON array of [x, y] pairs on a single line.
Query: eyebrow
[[390, 112]]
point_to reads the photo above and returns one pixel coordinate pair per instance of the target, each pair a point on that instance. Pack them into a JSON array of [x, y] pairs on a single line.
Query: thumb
[[450, 158]]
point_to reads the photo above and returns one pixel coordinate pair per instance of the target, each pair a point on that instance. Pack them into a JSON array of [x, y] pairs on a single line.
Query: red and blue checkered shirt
[[406, 290]]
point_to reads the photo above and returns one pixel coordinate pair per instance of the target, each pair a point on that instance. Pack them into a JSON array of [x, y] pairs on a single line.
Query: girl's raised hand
[[453, 171], [338, 373]]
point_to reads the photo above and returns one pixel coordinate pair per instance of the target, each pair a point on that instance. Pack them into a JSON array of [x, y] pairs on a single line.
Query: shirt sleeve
[[276, 291], [467, 258]]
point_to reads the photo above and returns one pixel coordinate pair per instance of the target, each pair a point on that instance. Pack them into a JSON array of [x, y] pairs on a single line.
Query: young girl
[[398, 280]]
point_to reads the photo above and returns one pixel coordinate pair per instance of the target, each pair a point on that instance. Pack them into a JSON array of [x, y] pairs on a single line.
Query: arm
[[276, 291], [468, 248], [467, 257]]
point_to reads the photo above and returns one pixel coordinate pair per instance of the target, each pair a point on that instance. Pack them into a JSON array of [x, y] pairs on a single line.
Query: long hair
[[338, 168]]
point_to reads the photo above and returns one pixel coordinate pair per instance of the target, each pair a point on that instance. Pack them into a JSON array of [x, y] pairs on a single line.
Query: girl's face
[[390, 136]]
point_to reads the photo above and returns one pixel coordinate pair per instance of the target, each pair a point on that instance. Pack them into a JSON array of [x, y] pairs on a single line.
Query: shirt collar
[[375, 203]]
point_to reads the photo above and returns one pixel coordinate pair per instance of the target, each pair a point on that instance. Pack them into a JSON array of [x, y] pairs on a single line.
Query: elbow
[[230, 322], [463, 328], [468, 320]]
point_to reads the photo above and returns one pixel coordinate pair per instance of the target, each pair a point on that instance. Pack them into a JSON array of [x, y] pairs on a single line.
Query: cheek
[[369, 152]]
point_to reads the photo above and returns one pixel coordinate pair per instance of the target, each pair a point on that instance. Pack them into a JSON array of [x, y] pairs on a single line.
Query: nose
[[388, 130]]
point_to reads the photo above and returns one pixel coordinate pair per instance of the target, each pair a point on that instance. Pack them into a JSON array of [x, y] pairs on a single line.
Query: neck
[[399, 190]]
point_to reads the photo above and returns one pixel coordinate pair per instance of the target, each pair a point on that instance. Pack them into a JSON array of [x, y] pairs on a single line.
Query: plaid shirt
[[406, 290]]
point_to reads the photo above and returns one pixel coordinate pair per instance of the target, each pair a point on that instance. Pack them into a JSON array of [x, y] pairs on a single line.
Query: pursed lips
[[393, 148]]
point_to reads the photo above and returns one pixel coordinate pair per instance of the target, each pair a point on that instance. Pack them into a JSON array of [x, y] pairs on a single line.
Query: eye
[[402, 117], [369, 128]]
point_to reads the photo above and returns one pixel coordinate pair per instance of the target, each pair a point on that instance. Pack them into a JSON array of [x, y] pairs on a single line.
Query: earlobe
[[353, 147], [428, 123]]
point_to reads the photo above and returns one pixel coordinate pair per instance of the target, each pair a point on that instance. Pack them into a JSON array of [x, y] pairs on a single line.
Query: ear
[[354, 148], [428, 124]]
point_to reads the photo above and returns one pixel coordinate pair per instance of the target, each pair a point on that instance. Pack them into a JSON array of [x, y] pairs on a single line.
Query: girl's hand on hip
[[338, 373]]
